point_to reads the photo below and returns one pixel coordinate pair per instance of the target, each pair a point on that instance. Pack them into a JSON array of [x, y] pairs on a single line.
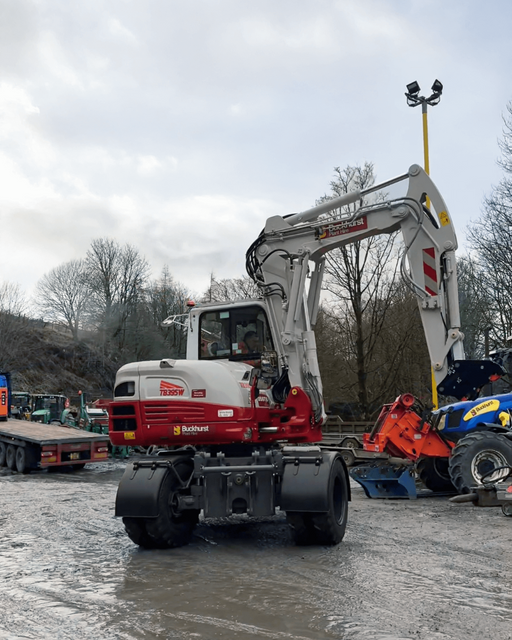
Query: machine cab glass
[[236, 334]]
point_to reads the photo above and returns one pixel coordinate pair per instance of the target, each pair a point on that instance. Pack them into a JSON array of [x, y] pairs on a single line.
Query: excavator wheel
[[324, 528], [506, 509], [172, 528], [475, 456], [301, 524], [136, 530], [434, 474]]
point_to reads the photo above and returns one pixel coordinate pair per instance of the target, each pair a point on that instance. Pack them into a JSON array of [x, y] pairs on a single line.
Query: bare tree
[[230, 289], [476, 309], [362, 277], [165, 298], [116, 276], [63, 293], [490, 239], [13, 324], [12, 299]]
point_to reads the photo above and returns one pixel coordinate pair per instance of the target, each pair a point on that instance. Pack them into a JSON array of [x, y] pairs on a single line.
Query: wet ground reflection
[[427, 569]]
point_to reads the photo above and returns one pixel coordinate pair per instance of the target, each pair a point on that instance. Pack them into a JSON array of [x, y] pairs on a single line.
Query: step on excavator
[[234, 428]]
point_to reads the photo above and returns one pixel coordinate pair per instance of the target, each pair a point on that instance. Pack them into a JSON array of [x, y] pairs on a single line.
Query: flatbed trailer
[[30, 445]]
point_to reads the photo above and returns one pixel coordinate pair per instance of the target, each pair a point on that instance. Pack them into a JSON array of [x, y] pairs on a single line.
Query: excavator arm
[[292, 249]]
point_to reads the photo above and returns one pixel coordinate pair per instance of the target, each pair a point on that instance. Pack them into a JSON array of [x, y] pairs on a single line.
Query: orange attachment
[[401, 432]]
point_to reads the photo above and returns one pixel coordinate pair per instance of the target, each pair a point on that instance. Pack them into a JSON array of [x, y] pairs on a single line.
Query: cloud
[[180, 127]]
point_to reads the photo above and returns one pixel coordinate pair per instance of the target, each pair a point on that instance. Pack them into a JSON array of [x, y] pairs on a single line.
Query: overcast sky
[[180, 126]]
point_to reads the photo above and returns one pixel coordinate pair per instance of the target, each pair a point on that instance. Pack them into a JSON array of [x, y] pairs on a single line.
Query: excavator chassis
[[160, 496]]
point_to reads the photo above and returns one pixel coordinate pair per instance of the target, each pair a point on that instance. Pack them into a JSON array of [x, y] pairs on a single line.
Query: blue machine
[[381, 480], [454, 421], [5, 395]]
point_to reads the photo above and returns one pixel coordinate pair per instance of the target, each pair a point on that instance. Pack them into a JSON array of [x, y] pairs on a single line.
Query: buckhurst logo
[[169, 389], [483, 407], [191, 430], [194, 429], [341, 228]]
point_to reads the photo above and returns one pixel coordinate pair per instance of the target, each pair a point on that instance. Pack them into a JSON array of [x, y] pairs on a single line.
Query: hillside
[[43, 358]]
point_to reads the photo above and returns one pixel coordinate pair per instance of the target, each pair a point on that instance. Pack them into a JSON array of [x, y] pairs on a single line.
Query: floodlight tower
[[413, 100]]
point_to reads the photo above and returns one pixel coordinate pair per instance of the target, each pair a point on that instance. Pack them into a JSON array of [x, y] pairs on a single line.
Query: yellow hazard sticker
[[483, 407], [129, 435], [444, 219], [177, 431]]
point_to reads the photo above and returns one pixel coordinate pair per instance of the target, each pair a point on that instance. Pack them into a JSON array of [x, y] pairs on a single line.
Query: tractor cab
[[52, 409], [21, 405]]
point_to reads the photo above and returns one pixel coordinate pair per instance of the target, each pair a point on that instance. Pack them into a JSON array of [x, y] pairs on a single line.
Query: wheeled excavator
[[234, 428]]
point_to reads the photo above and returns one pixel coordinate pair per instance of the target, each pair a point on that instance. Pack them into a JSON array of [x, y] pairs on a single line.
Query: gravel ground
[[424, 569]]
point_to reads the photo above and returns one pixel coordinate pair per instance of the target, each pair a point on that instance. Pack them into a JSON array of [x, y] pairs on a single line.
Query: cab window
[[237, 334], [125, 389]]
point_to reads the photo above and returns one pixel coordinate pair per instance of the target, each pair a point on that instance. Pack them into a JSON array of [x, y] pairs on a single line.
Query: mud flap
[[305, 479], [137, 494], [385, 481]]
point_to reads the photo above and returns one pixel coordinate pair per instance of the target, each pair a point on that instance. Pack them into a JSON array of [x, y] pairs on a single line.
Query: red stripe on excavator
[[430, 272]]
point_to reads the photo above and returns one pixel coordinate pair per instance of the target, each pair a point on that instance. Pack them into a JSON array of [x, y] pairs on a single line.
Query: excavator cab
[[240, 333]]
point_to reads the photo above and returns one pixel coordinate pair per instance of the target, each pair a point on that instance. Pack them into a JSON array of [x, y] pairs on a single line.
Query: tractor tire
[[434, 474], [172, 528], [475, 456], [10, 457], [324, 528], [3, 452]]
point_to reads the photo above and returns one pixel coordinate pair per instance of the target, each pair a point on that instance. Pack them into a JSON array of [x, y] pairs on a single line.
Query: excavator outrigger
[[233, 428]]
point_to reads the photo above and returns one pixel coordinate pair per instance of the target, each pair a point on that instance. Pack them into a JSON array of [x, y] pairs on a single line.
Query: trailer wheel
[[351, 443], [349, 457], [475, 456], [3, 452], [324, 528], [10, 456], [434, 474], [21, 460], [172, 527]]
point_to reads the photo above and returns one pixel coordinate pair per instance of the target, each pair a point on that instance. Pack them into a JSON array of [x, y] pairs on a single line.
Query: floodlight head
[[413, 88], [437, 87]]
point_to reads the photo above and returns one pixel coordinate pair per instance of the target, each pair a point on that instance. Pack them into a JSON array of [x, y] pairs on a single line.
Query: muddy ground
[[424, 569]]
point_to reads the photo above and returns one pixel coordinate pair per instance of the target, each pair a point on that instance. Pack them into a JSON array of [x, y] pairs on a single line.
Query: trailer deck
[[31, 445]]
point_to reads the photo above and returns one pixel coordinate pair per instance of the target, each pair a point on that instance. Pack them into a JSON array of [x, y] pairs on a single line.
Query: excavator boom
[[292, 248]]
